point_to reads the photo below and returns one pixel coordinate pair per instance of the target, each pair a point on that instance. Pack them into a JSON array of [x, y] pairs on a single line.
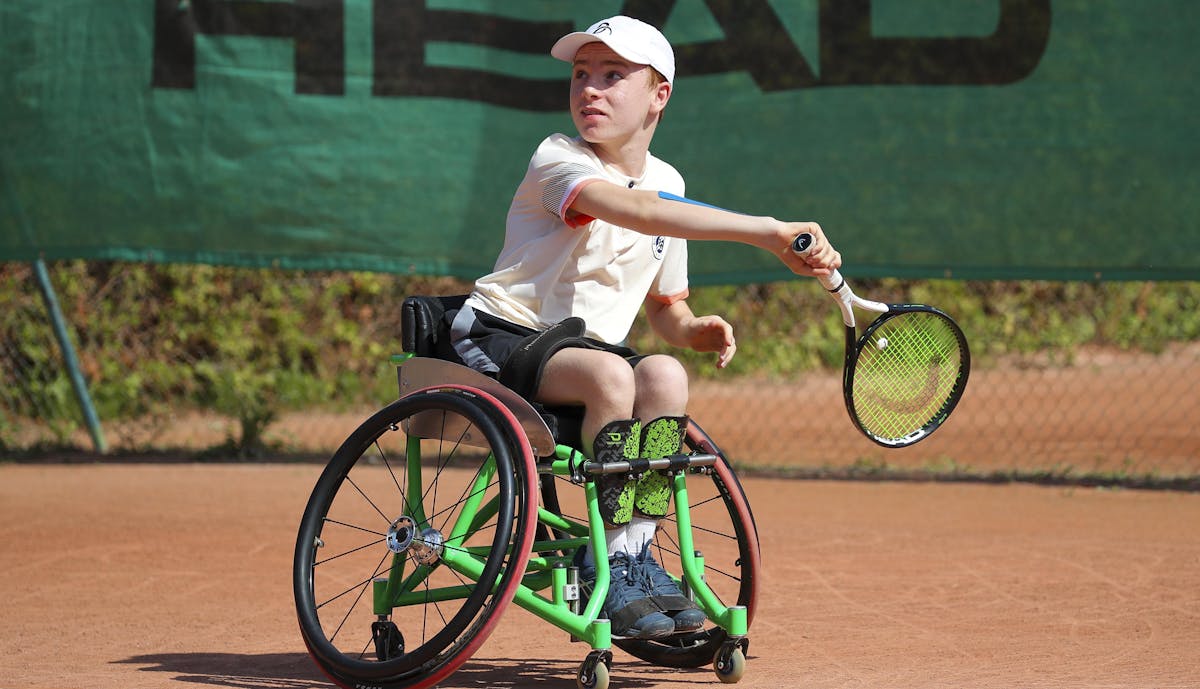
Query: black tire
[[365, 491], [723, 530]]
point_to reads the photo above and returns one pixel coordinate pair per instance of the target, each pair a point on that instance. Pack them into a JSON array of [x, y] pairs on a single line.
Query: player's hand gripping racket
[[907, 371]]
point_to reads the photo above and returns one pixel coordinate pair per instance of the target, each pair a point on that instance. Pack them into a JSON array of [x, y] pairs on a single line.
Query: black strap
[[624, 619], [522, 371], [673, 603]]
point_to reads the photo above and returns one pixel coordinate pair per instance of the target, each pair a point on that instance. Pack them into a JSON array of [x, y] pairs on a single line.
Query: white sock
[[641, 532], [617, 541]]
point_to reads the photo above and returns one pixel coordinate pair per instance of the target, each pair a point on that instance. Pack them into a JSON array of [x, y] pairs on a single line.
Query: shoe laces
[[631, 580], [658, 581]]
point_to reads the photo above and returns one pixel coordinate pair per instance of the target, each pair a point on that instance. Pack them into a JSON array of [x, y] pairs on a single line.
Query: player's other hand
[[713, 334]]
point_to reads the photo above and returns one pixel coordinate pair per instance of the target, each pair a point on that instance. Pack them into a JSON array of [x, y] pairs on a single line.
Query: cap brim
[[568, 45]]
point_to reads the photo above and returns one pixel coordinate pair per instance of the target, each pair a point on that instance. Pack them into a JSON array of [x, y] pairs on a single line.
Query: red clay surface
[[127, 576]]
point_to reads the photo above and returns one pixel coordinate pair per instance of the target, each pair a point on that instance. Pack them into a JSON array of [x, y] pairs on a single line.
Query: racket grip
[[801, 246]]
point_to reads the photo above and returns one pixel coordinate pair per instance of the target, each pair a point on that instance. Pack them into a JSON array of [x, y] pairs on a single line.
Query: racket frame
[[854, 346]]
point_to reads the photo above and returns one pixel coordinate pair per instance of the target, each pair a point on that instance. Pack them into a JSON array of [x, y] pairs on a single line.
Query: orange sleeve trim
[[671, 298], [578, 219]]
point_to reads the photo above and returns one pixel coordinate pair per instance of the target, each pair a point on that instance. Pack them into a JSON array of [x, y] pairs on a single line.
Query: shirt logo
[[659, 248]]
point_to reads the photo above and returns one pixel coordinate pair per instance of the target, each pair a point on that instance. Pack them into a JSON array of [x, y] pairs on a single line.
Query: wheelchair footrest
[[639, 466]]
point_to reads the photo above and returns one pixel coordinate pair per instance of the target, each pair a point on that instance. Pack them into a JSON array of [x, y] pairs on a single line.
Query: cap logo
[[603, 28]]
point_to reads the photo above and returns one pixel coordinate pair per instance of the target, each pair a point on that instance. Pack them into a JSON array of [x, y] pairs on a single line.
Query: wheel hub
[[400, 534], [423, 545]]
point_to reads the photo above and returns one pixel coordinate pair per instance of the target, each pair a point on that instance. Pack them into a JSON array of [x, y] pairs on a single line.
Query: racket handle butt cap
[[801, 245]]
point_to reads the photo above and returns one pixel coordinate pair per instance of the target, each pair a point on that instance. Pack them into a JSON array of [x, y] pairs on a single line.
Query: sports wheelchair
[[444, 507]]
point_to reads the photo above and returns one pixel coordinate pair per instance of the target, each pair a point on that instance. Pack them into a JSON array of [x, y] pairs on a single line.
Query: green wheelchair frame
[[426, 524]]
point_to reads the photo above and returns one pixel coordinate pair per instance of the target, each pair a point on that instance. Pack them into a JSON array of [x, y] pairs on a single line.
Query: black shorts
[[487, 343]]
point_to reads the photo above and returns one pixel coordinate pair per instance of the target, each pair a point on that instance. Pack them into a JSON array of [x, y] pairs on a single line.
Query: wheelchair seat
[[425, 332], [424, 327]]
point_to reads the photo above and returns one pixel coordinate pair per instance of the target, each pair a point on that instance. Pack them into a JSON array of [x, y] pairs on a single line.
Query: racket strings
[[906, 374]]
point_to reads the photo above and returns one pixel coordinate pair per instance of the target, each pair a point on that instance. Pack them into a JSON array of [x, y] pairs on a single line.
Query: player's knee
[[665, 378], [612, 381]]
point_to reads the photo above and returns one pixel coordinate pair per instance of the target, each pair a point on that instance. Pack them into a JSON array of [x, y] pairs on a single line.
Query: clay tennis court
[[178, 575]]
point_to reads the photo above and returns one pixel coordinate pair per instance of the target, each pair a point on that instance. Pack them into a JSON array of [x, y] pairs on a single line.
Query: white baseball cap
[[630, 38]]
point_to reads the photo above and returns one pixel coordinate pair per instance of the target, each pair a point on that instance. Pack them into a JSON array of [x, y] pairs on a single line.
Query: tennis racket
[[906, 372]]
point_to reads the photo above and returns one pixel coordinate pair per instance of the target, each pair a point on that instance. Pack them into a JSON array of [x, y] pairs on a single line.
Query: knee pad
[[661, 437], [617, 441], [652, 495]]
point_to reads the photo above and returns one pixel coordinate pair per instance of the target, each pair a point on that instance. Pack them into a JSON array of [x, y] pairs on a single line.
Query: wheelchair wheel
[[723, 531], [415, 539]]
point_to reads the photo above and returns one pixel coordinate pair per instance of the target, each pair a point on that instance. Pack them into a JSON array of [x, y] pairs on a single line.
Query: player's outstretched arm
[[646, 212]]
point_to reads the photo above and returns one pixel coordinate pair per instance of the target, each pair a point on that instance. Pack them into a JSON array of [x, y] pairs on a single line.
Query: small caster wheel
[[593, 673], [730, 664]]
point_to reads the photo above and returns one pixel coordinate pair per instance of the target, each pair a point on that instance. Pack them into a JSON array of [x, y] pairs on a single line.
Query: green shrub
[[158, 339]]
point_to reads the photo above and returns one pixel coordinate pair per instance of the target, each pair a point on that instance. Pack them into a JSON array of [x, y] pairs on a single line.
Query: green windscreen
[[930, 138]]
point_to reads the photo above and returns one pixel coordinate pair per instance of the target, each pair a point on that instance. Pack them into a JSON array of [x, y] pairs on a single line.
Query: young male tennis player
[[588, 243]]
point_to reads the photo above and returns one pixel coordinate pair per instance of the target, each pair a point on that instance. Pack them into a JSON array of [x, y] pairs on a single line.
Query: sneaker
[[629, 608], [665, 593]]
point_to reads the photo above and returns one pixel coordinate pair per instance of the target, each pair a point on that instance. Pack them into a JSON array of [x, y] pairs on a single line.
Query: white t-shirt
[[551, 269]]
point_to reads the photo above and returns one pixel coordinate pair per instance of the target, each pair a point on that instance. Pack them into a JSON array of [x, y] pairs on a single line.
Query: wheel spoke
[[370, 502], [448, 512], [444, 459], [348, 552], [362, 589], [387, 463]]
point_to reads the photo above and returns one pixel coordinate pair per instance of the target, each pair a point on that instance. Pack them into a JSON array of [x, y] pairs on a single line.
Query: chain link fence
[[210, 362]]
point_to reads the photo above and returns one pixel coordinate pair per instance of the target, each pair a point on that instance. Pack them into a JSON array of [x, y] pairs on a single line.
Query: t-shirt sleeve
[[671, 283], [559, 173]]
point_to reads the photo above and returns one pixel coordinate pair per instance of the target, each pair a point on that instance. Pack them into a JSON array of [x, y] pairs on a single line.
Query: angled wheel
[[723, 531], [415, 539]]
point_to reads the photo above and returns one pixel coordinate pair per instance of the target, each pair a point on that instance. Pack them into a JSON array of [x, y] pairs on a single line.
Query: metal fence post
[[68, 352]]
